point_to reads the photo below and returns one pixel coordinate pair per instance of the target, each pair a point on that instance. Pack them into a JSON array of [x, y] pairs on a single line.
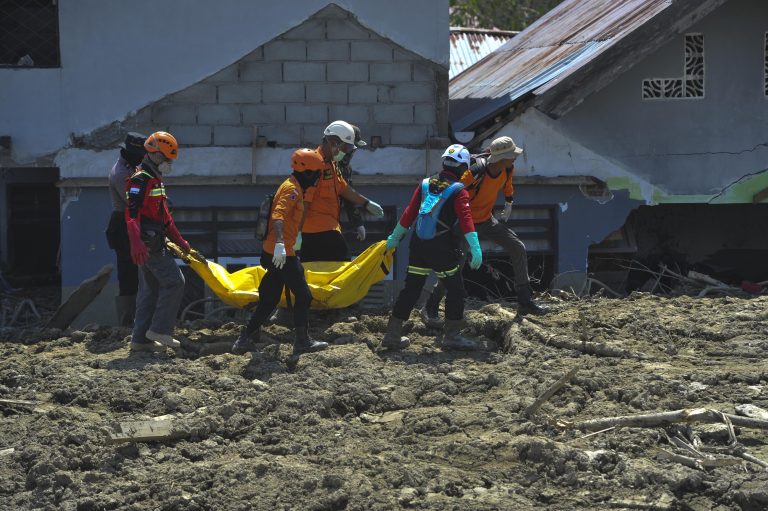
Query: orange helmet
[[307, 159], [163, 142]]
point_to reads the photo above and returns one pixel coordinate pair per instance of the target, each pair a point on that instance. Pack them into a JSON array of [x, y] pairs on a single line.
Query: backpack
[[429, 212], [480, 160], [262, 224]]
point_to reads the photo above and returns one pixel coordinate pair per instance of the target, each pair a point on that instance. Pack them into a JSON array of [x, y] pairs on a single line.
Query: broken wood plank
[[587, 347], [20, 402], [7, 452], [81, 298], [653, 420], [544, 397], [143, 431]]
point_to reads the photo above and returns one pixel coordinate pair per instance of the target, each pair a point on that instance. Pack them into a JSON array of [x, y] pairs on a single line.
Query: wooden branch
[[544, 397], [666, 418], [18, 402], [588, 347], [81, 298]]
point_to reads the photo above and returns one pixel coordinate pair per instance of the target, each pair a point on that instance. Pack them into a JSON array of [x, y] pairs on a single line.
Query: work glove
[[175, 236], [374, 209], [297, 245], [361, 233], [139, 252], [278, 259], [475, 251], [504, 216], [393, 240]]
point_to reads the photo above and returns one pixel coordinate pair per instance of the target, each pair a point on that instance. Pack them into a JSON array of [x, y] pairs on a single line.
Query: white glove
[[278, 259], [374, 209], [361, 233], [504, 216]]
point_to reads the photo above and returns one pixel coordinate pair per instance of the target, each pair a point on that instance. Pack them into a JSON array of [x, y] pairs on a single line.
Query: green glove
[[476, 252], [393, 240]]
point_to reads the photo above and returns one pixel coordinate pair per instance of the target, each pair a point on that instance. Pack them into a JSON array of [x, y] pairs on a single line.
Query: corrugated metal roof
[[468, 45], [566, 38]]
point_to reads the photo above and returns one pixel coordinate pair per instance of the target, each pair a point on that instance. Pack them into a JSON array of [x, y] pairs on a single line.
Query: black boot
[[525, 303], [393, 339], [126, 309], [453, 340], [303, 344], [430, 313], [245, 342]]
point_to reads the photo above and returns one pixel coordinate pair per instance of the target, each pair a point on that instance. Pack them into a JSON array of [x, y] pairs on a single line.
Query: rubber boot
[[525, 303], [149, 346], [126, 309], [164, 339], [430, 313], [303, 344], [282, 317], [246, 342], [453, 340], [393, 339]]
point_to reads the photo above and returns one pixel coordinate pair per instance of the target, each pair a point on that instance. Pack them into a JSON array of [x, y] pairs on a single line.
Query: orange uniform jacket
[[323, 204], [483, 191], [288, 206]]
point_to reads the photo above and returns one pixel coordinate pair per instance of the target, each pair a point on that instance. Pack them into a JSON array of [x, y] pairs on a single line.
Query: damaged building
[[643, 124]]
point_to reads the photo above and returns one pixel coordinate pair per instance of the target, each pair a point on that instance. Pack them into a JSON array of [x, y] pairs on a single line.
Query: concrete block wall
[[329, 67]]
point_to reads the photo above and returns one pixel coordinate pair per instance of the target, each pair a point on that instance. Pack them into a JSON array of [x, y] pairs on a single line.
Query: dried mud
[[353, 429]]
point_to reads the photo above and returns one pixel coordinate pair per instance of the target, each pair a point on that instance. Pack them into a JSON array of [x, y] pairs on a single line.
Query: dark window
[[29, 33]]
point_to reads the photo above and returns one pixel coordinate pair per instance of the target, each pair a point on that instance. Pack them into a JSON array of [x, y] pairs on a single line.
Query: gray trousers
[[161, 288], [499, 233]]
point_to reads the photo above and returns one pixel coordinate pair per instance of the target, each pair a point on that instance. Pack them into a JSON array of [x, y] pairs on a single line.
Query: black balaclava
[[307, 178]]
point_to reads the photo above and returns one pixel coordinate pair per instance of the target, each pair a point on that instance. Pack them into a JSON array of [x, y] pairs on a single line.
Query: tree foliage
[[500, 14]]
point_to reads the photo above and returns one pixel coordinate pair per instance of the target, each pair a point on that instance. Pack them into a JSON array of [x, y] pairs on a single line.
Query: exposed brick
[[240, 93], [228, 74], [409, 135], [393, 114], [263, 114], [355, 114], [345, 29], [218, 114], [371, 51], [347, 72], [328, 50], [173, 114], [192, 135], [425, 114], [283, 92], [327, 93], [405, 56], [312, 134], [310, 29], [413, 93], [363, 93], [331, 11], [304, 72], [285, 50], [283, 134], [423, 73], [399, 72], [375, 130], [232, 135], [257, 54], [306, 113], [261, 72]]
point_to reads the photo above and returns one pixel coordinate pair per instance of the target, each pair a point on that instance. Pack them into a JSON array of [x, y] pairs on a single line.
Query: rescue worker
[[486, 177], [321, 238], [161, 283], [443, 198], [131, 153], [280, 260], [354, 212]]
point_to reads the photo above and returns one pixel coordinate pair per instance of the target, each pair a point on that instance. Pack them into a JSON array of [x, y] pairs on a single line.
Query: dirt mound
[[424, 428]]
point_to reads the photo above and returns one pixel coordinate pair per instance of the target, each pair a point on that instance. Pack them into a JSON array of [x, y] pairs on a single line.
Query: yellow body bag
[[333, 285]]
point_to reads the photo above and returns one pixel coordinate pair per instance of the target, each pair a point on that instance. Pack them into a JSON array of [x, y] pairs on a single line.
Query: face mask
[[165, 168], [339, 156]]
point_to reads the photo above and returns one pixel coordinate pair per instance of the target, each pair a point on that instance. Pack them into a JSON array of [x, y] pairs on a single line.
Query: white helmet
[[341, 129], [455, 156]]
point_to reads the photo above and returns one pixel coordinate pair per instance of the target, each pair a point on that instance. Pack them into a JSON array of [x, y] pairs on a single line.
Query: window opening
[[29, 33]]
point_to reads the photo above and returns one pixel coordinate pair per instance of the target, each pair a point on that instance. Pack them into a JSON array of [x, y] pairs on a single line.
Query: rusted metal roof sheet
[[542, 55], [468, 45]]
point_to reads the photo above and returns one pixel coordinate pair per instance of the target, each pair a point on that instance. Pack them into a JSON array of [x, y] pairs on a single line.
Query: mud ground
[[353, 429]]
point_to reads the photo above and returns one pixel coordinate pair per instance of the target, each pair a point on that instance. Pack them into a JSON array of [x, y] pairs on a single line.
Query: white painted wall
[[119, 56]]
